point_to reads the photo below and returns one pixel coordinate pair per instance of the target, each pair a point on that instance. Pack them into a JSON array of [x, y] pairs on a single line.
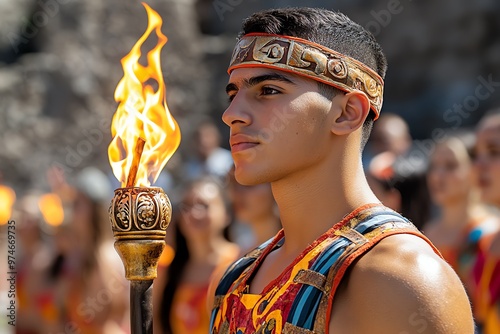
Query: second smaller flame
[[51, 207], [7, 199]]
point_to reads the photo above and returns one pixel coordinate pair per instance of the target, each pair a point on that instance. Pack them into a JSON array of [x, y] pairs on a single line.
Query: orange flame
[[7, 199], [143, 113], [52, 209]]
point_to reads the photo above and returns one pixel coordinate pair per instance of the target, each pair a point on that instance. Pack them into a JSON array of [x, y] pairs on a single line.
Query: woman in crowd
[[36, 283], [255, 207], [463, 225], [78, 285], [94, 294], [200, 247]]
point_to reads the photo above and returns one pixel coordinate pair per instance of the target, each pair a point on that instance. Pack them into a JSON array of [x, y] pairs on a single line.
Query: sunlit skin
[[314, 166], [256, 144]]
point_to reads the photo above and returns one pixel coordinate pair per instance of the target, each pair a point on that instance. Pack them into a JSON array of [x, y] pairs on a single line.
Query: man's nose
[[238, 110]]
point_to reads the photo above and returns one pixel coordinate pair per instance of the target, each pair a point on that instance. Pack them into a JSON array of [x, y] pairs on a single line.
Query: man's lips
[[241, 142]]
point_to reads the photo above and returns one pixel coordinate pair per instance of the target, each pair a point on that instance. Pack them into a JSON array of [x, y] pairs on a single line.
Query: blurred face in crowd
[[28, 226], [207, 139], [82, 219], [252, 203], [449, 175], [203, 211], [390, 134], [380, 178], [487, 159]]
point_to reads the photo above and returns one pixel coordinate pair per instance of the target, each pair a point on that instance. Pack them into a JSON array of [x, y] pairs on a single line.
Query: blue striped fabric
[[306, 303], [233, 272]]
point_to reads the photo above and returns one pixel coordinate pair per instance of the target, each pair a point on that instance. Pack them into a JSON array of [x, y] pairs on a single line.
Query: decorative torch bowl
[[139, 218]]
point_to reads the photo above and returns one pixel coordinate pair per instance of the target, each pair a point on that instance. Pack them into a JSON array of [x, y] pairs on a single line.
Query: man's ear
[[355, 107]]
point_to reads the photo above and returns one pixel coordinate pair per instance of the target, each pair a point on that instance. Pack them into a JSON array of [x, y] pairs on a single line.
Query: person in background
[[463, 225], [487, 267], [200, 247], [209, 159], [389, 134], [94, 294], [254, 206], [380, 176], [36, 281], [400, 185]]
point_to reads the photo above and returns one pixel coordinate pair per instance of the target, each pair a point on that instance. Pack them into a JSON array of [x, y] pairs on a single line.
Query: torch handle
[[141, 303]]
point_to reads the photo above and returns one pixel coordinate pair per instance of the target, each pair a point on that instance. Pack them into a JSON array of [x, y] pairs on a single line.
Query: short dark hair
[[328, 28]]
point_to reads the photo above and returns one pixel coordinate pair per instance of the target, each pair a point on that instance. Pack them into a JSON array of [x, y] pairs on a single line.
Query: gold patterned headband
[[302, 57]]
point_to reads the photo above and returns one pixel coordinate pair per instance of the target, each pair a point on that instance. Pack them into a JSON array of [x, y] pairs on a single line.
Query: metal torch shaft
[[141, 307], [139, 218]]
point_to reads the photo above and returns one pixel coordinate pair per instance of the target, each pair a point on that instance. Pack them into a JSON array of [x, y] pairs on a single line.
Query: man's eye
[[231, 97], [269, 91]]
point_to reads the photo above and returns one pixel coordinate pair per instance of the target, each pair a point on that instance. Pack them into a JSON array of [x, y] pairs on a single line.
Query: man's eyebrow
[[258, 79], [231, 87], [265, 77]]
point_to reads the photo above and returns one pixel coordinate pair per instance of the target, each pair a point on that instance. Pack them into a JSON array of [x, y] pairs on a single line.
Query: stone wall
[[60, 63]]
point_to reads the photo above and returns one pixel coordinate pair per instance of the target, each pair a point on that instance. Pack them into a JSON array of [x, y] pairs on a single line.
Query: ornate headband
[[302, 57]]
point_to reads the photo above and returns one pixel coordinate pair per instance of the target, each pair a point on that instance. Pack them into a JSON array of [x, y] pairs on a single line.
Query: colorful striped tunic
[[299, 300]]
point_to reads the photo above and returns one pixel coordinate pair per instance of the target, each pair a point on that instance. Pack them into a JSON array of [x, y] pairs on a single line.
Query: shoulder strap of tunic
[[311, 308]]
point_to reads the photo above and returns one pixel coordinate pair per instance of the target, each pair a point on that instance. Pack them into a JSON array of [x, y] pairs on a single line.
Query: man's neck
[[312, 201]]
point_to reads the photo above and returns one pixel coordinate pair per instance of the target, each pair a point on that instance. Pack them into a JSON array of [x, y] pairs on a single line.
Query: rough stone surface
[[60, 63]]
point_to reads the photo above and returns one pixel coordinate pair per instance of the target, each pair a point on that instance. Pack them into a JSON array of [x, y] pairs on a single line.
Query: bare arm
[[401, 286]]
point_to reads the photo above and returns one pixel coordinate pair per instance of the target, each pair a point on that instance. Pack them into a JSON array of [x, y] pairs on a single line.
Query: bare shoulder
[[402, 286]]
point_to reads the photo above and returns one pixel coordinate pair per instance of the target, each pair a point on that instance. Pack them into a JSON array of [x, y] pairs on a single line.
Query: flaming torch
[[145, 136]]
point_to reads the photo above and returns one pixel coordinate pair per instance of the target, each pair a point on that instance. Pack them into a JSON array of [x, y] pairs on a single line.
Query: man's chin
[[246, 177], [246, 180]]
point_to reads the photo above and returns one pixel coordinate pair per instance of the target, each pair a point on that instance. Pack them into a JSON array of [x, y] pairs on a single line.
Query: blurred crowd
[[71, 280], [449, 186], [59, 66]]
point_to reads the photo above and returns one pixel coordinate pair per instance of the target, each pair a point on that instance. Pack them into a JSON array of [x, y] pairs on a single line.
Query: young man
[[305, 86]]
